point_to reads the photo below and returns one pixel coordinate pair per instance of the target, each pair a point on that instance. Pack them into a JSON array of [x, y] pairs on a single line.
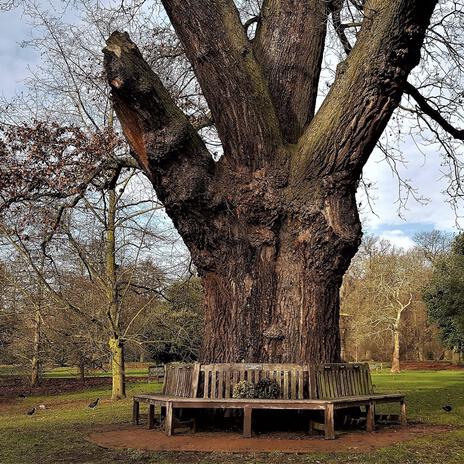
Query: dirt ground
[[359, 441]]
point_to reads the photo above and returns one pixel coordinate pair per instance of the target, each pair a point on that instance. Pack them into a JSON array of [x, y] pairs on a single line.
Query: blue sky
[[425, 173], [14, 59]]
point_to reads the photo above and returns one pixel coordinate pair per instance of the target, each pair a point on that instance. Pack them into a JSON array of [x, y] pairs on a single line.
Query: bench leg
[[247, 412], [329, 422], [162, 412], [135, 412], [151, 416], [311, 427], [168, 421], [403, 421], [370, 416]]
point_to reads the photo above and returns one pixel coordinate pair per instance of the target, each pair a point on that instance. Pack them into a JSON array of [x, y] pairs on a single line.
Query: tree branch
[[366, 91], [336, 7], [247, 24], [231, 79], [289, 45], [432, 112], [166, 145]]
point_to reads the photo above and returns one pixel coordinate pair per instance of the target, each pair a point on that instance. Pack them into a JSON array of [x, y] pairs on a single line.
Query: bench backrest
[[339, 380], [181, 380], [156, 371], [217, 381]]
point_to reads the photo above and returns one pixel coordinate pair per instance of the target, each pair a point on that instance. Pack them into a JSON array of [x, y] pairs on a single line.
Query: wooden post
[[247, 412], [311, 427], [135, 412], [168, 421], [151, 416], [329, 422], [370, 416], [162, 412], [403, 420]]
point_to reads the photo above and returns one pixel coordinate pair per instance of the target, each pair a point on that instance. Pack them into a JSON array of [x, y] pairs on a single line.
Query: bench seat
[[325, 387], [171, 403]]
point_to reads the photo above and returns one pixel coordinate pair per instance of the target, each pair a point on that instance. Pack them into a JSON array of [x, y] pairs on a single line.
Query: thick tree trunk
[[117, 369], [395, 367], [272, 226], [277, 299]]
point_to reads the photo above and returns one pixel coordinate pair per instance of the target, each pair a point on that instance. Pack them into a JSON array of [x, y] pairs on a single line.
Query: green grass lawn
[[57, 435]]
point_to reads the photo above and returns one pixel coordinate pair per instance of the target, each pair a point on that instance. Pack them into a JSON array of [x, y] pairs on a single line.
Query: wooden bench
[[326, 388], [346, 386], [155, 372]]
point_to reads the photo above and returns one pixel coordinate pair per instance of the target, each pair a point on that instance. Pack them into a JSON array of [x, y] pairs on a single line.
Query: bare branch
[[425, 105]]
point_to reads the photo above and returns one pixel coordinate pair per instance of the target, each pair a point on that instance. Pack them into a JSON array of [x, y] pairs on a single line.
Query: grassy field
[[57, 435]]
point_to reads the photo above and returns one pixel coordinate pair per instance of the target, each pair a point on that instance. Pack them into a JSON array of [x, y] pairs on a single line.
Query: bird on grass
[[31, 411], [93, 404], [42, 406], [447, 408], [21, 395]]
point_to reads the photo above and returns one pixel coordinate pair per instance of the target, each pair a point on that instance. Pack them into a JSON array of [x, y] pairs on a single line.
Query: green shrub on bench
[[264, 389], [244, 389], [267, 389]]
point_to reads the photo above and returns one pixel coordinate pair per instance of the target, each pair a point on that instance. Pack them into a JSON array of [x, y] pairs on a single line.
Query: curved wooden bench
[[326, 387]]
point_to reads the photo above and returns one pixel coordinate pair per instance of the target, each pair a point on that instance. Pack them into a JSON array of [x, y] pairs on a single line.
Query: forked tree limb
[[232, 81], [289, 45], [427, 108], [167, 146]]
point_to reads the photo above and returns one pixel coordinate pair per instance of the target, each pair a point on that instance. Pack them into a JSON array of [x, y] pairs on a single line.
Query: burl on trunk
[[271, 226]]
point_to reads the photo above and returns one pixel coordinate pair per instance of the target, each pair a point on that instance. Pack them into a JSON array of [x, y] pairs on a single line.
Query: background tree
[[444, 296], [101, 240], [381, 295], [434, 244]]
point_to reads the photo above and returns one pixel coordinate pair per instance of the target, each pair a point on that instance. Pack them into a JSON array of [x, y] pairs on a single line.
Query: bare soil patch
[[360, 441]]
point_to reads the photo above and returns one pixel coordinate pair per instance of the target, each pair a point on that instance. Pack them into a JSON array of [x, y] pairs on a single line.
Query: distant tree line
[[405, 304]]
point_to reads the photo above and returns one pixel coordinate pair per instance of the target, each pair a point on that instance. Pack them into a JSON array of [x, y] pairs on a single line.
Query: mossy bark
[[116, 343], [117, 369]]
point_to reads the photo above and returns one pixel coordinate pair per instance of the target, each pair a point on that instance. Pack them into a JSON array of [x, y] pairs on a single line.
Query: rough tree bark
[[272, 226]]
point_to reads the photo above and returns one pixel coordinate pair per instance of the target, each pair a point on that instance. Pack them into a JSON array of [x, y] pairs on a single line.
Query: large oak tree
[[273, 224]]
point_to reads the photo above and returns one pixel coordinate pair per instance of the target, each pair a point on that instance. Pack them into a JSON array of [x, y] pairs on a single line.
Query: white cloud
[[425, 174], [398, 238]]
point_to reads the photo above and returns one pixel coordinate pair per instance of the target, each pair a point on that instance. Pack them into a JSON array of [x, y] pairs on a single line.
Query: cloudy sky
[[425, 174]]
